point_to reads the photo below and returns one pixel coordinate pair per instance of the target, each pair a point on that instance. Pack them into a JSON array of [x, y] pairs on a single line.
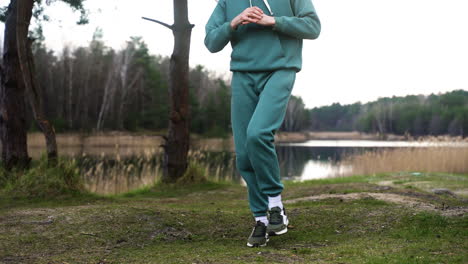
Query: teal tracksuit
[[264, 61]]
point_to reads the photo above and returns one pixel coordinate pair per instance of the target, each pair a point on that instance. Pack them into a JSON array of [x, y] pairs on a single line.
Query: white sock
[[262, 219], [275, 201]]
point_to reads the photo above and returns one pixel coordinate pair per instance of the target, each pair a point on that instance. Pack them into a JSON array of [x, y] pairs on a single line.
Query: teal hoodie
[[263, 48]]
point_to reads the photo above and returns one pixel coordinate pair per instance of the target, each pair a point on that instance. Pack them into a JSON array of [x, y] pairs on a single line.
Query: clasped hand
[[252, 15]]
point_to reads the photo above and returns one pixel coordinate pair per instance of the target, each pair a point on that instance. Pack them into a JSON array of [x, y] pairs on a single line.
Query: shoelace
[[259, 229]]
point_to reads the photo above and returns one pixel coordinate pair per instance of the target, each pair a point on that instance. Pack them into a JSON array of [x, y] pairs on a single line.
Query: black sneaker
[[278, 223], [259, 235]]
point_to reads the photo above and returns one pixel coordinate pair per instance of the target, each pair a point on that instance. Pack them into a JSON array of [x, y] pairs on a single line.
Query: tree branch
[[159, 22]]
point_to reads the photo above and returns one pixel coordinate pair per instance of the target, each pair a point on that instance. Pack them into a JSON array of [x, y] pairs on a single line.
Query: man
[[266, 38]]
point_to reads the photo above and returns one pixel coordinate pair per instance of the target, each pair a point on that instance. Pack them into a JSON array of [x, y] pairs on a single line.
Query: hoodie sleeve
[[218, 30], [304, 25]]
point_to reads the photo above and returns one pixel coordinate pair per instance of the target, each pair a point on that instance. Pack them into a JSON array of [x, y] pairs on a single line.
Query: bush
[[42, 180], [195, 173], [3, 176]]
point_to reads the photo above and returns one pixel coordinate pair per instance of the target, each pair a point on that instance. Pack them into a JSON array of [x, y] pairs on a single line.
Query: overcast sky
[[367, 48]]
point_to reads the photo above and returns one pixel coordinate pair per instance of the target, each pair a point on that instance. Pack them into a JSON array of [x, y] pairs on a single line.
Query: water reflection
[[321, 169], [110, 174], [304, 163]]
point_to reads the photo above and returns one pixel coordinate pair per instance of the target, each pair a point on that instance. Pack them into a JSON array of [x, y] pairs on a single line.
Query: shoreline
[[123, 138], [150, 142]]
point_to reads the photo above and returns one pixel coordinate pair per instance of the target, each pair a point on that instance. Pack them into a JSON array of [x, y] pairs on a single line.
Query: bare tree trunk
[[293, 115], [62, 96], [31, 83], [84, 112], [105, 100], [124, 94], [178, 138], [177, 143], [13, 128], [380, 118], [127, 59], [109, 92], [70, 94]]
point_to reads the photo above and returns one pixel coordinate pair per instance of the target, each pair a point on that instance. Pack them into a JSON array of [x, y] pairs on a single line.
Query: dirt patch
[[386, 183], [403, 200], [171, 234], [462, 192], [271, 257], [427, 186]]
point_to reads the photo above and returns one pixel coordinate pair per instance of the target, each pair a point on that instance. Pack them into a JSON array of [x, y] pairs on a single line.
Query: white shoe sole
[[257, 245], [284, 231]]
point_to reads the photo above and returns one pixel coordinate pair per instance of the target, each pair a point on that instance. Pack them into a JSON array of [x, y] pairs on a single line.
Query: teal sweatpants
[[258, 106]]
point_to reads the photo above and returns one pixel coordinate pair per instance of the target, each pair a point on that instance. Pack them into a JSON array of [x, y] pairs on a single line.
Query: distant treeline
[[414, 115], [98, 88]]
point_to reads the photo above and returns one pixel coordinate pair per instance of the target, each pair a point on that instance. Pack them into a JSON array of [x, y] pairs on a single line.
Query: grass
[[209, 223], [42, 180]]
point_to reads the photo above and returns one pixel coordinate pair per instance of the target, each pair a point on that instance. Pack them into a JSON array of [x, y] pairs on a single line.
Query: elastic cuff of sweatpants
[[257, 214], [274, 194]]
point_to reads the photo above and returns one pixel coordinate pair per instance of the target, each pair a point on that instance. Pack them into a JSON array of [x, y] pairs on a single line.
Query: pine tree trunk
[[178, 138], [13, 127], [33, 91]]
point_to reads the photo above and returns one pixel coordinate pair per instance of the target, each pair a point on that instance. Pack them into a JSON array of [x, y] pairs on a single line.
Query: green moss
[[399, 182], [165, 190], [42, 180], [195, 174]]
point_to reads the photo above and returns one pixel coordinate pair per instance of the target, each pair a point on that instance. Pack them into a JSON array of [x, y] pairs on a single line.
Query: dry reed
[[433, 159]]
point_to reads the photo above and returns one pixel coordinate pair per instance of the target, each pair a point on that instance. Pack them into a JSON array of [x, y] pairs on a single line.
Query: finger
[[255, 16], [252, 15], [257, 13], [254, 9], [251, 20], [249, 9], [245, 18], [258, 9]]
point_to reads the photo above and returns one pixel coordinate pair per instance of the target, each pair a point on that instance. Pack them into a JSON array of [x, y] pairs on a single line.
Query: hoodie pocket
[[261, 47]]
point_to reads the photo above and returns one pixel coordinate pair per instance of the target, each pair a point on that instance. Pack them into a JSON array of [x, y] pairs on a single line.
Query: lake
[[111, 170], [318, 159]]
